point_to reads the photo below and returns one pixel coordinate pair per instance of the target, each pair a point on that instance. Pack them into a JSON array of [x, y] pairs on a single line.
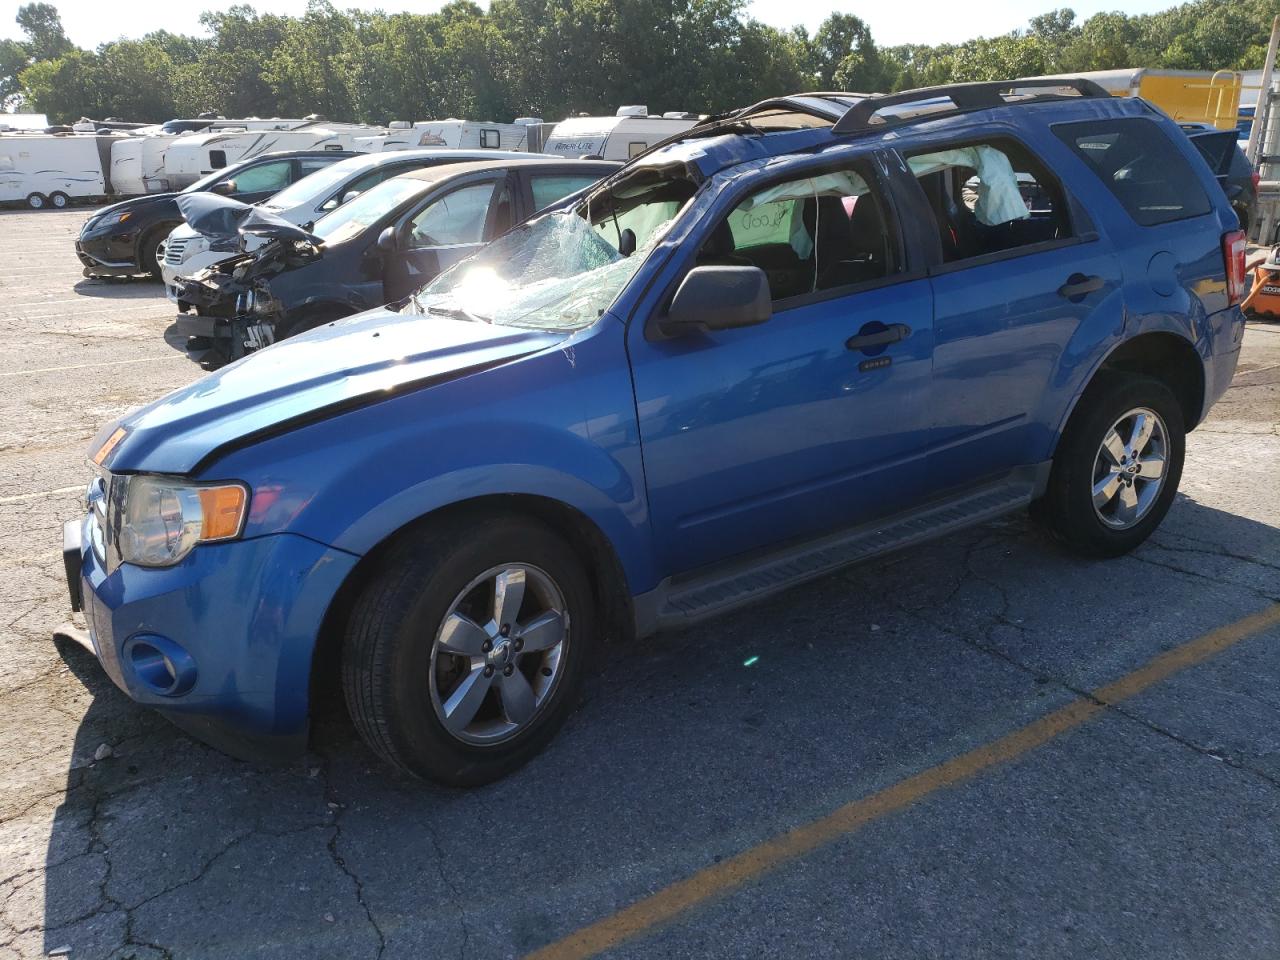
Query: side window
[[635, 148], [490, 139], [267, 177], [309, 165], [1139, 164], [1217, 149], [818, 233], [217, 159], [989, 198], [548, 189], [456, 218], [360, 185]]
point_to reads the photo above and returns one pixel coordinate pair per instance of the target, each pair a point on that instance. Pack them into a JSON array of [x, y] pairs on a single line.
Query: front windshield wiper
[[454, 313]]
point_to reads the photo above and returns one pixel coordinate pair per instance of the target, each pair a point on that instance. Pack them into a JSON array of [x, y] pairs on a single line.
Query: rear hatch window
[[1141, 166]]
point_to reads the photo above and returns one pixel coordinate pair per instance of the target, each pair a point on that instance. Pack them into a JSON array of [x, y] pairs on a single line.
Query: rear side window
[[548, 189], [1138, 163], [989, 197]]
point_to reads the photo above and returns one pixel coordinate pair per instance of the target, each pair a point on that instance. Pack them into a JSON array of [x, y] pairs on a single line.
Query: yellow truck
[[1188, 96]]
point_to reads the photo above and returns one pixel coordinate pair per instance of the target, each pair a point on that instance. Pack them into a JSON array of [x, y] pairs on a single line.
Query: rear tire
[[1102, 502], [468, 718], [59, 200]]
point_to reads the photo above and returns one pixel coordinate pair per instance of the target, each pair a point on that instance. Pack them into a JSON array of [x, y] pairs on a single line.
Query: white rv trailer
[[455, 134], [629, 133], [43, 170], [137, 164], [189, 158], [23, 121]]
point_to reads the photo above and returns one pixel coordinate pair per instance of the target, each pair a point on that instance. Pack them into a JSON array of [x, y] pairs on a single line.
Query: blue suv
[[808, 332]]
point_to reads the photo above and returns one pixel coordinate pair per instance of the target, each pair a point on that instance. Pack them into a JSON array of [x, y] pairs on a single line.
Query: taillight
[[1233, 245]]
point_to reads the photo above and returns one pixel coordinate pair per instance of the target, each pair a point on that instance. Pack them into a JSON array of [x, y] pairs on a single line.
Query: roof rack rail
[[965, 96]]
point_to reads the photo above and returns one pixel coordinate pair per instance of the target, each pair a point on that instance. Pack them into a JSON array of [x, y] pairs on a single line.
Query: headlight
[[193, 246], [111, 219], [161, 520]]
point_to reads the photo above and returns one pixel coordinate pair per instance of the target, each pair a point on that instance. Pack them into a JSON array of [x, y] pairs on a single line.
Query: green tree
[[46, 40]]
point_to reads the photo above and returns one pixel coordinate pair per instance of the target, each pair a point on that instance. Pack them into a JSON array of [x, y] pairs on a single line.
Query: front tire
[[1117, 467], [37, 201], [149, 251], [465, 652]]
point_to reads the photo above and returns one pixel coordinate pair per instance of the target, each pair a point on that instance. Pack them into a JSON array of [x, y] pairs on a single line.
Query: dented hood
[[367, 358]]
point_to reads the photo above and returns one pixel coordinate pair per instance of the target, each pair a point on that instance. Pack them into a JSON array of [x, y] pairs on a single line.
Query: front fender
[[559, 425]]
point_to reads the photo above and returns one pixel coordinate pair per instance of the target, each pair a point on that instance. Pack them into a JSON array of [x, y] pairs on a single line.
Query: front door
[[812, 421], [446, 228]]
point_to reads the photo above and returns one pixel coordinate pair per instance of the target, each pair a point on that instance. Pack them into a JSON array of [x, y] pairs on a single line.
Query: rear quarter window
[[1141, 166]]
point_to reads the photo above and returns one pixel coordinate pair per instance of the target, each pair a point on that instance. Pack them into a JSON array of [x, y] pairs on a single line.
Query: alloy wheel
[[499, 654], [1129, 468]]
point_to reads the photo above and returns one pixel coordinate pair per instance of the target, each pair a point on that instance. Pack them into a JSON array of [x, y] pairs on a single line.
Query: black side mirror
[[224, 188], [627, 242], [718, 298], [387, 241]]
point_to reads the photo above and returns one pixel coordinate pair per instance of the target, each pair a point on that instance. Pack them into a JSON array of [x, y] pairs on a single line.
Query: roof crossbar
[[965, 96]]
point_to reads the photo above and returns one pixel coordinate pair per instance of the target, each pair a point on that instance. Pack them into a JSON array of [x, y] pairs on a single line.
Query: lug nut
[[508, 670], [505, 630], [546, 671], [488, 671], [487, 646], [519, 644]]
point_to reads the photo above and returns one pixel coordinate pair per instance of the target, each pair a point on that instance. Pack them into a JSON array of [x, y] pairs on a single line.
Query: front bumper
[[99, 262], [233, 626]]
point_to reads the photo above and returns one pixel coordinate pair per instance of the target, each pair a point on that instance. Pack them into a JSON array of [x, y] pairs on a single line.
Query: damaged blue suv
[[814, 330]]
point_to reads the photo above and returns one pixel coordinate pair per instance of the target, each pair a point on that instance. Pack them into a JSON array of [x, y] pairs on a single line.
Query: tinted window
[[547, 190], [807, 235], [310, 165], [1141, 166], [455, 218], [266, 178], [1216, 148], [217, 159], [989, 197]]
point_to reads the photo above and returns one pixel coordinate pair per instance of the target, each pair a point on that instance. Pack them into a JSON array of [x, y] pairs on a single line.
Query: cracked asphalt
[[1151, 830]]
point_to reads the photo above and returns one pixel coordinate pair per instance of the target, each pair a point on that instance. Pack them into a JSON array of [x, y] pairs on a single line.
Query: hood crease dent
[[361, 360]]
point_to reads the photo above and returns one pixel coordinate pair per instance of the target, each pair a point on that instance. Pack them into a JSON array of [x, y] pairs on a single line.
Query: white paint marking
[[23, 497], [82, 366]]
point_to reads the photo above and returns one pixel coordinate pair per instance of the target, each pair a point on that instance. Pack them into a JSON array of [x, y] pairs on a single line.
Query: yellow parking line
[[724, 877]]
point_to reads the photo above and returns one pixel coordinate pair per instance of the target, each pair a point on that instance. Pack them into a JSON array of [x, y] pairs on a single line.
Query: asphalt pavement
[[980, 747]]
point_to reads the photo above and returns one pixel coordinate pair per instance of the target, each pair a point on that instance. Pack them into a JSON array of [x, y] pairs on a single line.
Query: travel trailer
[[187, 159], [23, 121], [629, 133], [1188, 96], [137, 164], [50, 170], [459, 135]]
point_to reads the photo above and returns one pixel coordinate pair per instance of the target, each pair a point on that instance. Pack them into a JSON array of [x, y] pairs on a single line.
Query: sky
[[90, 22]]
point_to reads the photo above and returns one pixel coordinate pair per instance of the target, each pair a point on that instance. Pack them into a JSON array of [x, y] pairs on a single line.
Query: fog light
[[160, 665]]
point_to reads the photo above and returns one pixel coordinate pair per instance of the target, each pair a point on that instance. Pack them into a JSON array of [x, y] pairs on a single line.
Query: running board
[[680, 603]]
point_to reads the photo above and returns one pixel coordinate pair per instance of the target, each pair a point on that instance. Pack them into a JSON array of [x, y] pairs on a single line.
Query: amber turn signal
[[223, 511]]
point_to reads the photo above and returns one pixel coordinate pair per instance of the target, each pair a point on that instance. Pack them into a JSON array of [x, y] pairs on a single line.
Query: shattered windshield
[[563, 270]]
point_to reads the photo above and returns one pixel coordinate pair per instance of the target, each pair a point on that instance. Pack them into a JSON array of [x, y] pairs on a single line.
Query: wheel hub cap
[[499, 654], [1128, 471]]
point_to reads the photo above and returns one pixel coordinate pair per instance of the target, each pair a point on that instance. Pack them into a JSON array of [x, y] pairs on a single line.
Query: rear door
[[1018, 269]]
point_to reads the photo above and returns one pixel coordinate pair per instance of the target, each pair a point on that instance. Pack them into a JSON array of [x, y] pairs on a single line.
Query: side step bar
[[704, 595]]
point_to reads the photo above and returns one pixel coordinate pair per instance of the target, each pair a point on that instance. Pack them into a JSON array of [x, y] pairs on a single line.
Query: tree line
[[553, 58]]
